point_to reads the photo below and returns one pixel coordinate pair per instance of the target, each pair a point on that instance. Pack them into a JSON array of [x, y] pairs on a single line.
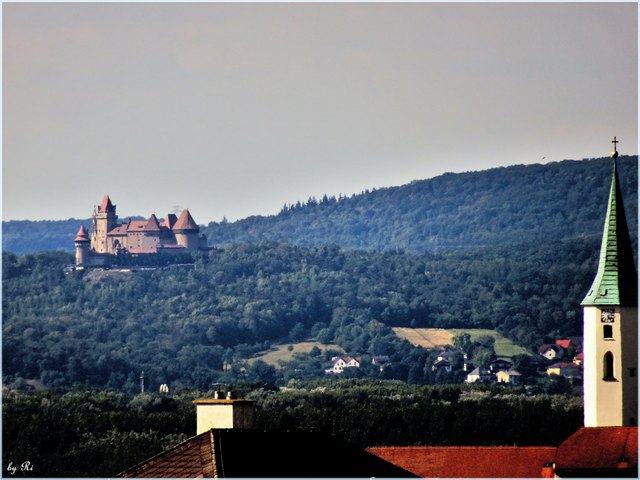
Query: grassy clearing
[[280, 353], [439, 337], [426, 337]]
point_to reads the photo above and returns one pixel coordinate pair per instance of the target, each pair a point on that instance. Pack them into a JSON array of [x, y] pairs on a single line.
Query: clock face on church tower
[[607, 315]]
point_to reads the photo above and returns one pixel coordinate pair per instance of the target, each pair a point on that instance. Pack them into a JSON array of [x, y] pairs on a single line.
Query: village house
[[568, 345], [499, 364], [511, 376], [480, 374], [340, 363], [565, 369], [551, 351], [578, 359]]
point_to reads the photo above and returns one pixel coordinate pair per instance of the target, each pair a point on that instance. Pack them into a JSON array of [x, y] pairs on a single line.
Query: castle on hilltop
[[135, 238]]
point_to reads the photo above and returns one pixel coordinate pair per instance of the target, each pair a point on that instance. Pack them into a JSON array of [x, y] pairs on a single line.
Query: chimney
[[548, 471], [221, 412]]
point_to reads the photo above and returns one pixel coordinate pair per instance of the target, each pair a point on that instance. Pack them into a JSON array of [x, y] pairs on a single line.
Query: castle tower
[[104, 220], [610, 325], [82, 246], [186, 231]]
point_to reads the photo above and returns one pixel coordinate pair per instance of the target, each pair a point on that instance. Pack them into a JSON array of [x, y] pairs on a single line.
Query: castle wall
[[142, 241], [189, 240]]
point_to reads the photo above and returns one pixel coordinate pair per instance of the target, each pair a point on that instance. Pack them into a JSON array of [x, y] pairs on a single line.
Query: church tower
[[611, 324], [104, 220]]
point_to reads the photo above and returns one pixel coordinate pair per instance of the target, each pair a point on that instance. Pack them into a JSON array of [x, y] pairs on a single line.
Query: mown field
[[284, 353], [439, 337]]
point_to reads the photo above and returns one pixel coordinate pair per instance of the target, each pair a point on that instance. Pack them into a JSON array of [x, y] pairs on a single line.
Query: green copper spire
[[616, 282]]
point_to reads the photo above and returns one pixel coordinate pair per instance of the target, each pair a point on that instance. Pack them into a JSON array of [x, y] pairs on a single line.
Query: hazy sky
[[235, 109]]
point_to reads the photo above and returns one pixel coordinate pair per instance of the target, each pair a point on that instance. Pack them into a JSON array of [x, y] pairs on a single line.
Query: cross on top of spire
[[615, 142]]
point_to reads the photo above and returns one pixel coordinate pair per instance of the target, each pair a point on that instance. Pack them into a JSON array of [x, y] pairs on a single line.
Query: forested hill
[[500, 206], [453, 211]]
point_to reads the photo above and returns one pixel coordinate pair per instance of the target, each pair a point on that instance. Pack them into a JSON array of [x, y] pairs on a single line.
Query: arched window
[[608, 367]]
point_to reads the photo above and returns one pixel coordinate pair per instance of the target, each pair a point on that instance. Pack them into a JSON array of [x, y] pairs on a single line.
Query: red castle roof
[[106, 205], [82, 235], [119, 230], [185, 222], [170, 221], [136, 225], [152, 224]]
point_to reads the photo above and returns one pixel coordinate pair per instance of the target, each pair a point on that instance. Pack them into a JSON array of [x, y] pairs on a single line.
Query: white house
[[340, 363], [479, 374]]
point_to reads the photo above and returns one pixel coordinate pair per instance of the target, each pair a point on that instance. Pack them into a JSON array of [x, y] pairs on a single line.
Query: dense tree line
[[453, 211], [191, 326], [100, 433]]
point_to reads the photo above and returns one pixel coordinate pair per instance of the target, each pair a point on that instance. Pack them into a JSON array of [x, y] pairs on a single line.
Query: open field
[[281, 352], [439, 337], [426, 337]]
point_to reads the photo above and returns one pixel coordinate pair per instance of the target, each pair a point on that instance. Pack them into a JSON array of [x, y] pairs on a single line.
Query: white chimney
[[221, 412]]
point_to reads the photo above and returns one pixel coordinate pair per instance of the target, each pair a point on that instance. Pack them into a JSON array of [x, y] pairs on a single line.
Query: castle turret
[[610, 325], [82, 246], [186, 231], [104, 220]]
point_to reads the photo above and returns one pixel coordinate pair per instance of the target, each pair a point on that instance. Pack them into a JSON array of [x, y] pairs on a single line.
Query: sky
[[235, 109]]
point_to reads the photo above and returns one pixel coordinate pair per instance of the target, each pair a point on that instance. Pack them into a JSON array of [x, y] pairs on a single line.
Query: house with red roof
[[110, 238], [608, 452], [551, 351], [340, 363]]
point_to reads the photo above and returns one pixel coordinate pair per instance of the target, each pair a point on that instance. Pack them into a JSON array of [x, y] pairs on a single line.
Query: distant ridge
[[505, 205]]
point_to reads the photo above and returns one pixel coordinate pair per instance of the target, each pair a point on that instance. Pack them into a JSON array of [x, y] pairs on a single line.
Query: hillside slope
[[453, 211]]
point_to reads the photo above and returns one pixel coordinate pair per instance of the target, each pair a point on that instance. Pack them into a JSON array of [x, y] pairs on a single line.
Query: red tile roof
[[469, 462], [119, 230], [185, 222], [599, 448], [136, 225], [82, 235], [190, 459], [548, 346], [152, 224], [252, 453], [106, 205], [564, 343], [170, 221]]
